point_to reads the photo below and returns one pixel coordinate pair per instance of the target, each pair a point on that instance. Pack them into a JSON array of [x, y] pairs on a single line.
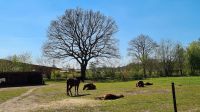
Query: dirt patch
[[27, 102], [193, 110], [69, 103], [18, 104]]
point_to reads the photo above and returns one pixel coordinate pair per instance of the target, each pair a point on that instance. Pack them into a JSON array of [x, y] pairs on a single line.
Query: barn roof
[[34, 66]]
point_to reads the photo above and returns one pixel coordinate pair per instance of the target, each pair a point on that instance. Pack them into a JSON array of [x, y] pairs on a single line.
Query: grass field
[[9, 93], [155, 98]]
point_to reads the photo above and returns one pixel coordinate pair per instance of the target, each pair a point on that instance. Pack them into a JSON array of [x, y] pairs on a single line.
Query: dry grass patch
[[68, 103]]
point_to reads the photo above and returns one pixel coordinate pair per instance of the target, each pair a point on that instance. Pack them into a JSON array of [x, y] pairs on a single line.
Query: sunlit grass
[[7, 94], [155, 98]]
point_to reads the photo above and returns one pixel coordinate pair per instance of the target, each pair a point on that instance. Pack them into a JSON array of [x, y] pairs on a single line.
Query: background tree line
[[151, 59]]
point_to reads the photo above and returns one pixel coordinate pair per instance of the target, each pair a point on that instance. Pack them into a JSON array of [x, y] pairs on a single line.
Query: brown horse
[[73, 82], [109, 97], [140, 84], [89, 86]]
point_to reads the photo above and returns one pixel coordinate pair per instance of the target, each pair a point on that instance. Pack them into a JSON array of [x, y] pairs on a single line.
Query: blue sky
[[24, 23]]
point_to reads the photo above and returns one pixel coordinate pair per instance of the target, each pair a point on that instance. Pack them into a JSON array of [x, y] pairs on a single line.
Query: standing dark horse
[[73, 82]]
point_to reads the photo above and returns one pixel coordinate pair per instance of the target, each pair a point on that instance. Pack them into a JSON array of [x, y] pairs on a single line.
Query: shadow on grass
[[80, 95]]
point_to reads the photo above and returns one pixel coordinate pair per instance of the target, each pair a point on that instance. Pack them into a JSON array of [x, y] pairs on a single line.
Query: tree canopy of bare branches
[[166, 52], [81, 35], [180, 57], [141, 47]]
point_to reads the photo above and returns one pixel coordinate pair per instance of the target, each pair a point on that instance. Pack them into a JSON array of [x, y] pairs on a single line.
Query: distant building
[[8, 79], [16, 73]]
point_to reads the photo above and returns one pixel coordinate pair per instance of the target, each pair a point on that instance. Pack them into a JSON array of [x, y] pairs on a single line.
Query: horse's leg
[[70, 90], [77, 89], [67, 89]]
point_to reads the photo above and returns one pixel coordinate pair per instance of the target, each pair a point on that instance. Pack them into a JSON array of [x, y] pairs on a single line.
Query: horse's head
[[84, 87]]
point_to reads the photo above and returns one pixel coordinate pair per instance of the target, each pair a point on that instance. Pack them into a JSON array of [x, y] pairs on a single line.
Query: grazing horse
[[73, 82]]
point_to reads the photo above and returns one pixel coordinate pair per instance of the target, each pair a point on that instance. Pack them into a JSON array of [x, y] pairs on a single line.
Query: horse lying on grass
[[142, 84], [148, 83], [109, 97], [89, 86]]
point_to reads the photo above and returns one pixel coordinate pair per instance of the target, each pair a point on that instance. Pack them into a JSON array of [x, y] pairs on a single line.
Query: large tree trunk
[[144, 71], [181, 72], [83, 71]]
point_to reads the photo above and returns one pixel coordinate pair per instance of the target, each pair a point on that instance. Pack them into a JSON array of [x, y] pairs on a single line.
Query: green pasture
[[155, 98], [8, 93]]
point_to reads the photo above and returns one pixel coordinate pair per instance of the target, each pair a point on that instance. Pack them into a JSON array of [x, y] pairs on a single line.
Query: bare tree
[[81, 35], [166, 52], [180, 57], [141, 48]]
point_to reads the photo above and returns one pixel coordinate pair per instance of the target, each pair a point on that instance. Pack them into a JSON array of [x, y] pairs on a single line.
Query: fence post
[[174, 97]]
